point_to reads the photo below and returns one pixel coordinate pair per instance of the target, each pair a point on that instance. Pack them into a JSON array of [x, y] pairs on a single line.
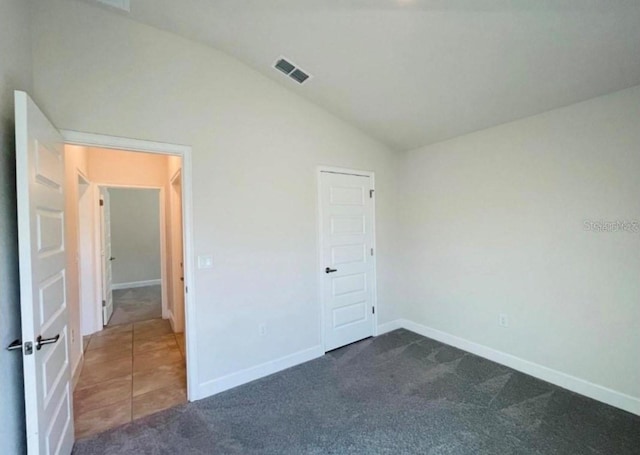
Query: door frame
[[88, 236], [176, 320], [185, 152], [320, 266], [162, 217]]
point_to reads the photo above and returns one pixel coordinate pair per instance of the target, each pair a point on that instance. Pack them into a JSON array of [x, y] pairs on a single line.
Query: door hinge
[[186, 289], [371, 194], [104, 303], [371, 251], [101, 202], [373, 310]]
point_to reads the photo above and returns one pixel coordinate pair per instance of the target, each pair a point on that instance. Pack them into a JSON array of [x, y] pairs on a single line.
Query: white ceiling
[[415, 72]]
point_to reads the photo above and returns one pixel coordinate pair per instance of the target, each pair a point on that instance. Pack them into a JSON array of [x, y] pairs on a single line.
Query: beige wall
[[255, 146], [75, 162], [135, 235], [15, 74], [104, 167], [118, 167], [173, 209], [493, 222]]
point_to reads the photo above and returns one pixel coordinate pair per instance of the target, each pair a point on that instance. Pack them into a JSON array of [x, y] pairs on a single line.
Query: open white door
[[40, 188], [105, 232]]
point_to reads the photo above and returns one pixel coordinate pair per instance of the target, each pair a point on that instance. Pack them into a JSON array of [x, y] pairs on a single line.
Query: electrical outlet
[[503, 320], [73, 335], [262, 329]]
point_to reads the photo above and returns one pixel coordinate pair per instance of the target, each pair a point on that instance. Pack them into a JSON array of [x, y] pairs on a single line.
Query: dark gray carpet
[[136, 305], [399, 393]]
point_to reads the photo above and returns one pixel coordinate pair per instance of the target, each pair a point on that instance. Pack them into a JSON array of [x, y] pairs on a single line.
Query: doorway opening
[[127, 230], [132, 254]]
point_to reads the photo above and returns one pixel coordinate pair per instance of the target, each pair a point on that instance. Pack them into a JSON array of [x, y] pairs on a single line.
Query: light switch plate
[[205, 262]]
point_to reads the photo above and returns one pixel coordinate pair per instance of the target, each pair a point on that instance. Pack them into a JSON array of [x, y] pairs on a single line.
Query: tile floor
[[130, 371]]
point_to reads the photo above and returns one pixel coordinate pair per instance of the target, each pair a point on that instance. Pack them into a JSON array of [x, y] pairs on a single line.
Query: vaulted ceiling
[[415, 72]]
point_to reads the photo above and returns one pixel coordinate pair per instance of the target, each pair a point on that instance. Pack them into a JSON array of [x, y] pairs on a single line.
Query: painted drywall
[[15, 74], [496, 222], [123, 168], [175, 272], [135, 234], [75, 163], [255, 148], [100, 167]]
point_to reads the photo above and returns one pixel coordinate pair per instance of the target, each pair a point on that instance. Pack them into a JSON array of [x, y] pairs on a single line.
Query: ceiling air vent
[[290, 69], [284, 66], [122, 5], [299, 75]]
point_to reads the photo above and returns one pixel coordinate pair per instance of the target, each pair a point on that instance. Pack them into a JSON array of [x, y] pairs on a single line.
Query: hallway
[[136, 304], [130, 371]]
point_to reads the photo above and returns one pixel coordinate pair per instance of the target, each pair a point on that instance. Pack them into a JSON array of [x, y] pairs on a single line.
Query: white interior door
[[40, 188], [348, 268], [177, 256], [105, 252]]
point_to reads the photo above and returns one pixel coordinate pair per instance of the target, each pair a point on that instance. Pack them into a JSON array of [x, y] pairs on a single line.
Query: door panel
[[107, 266], [346, 243], [43, 304], [177, 256]]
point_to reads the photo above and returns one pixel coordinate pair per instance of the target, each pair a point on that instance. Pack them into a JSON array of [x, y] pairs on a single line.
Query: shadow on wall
[[12, 419]]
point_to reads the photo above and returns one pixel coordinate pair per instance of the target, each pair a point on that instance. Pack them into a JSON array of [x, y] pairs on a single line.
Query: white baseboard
[[259, 371], [564, 380], [171, 319], [136, 284], [77, 369], [390, 326]]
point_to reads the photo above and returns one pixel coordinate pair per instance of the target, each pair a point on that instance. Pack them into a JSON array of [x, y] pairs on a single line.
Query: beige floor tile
[[159, 342], [162, 377], [102, 394], [158, 400], [130, 371], [96, 421], [122, 339], [151, 329], [96, 372], [151, 323], [108, 354], [150, 360], [115, 329]]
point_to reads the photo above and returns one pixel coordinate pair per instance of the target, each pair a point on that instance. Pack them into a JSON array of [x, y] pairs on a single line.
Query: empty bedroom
[[371, 227]]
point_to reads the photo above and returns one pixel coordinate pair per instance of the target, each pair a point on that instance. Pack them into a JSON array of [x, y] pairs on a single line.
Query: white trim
[[164, 295], [97, 261], [564, 380], [184, 151], [259, 371], [172, 321], [135, 284], [121, 143], [390, 326], [88, 233], [320, 267], [163, 235], [174, 278], [77, 370]]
